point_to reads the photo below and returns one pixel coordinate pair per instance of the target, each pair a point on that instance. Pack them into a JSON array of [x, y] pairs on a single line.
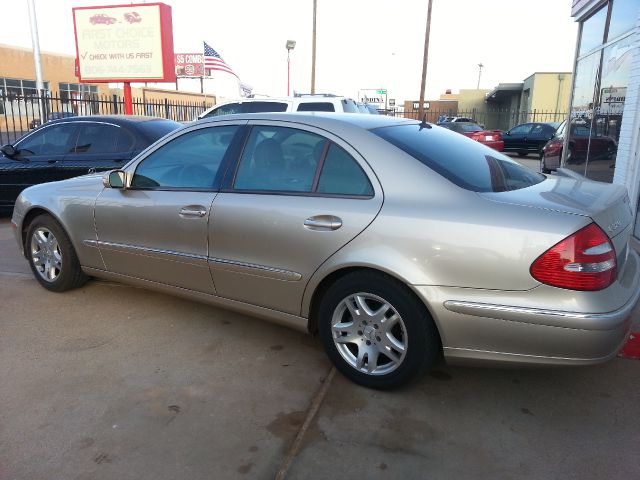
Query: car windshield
[[472, 128], [466, 163]]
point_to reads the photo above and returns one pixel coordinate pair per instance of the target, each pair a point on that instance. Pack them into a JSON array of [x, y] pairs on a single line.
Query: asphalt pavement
[[116, 382]]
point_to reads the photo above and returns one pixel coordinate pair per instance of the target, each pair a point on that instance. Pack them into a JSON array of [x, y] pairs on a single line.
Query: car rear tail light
[[552, 148], [585, 260]]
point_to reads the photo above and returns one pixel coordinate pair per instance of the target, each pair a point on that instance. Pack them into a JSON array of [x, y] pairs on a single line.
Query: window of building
[[599, 91], [72, 91], [17, 89]]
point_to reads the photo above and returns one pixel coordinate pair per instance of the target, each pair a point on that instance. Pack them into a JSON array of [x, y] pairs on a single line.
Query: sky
[[361, 44]]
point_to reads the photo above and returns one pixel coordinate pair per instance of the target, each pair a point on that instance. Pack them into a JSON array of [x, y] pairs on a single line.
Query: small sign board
[[124, 43], [189, 64], [612, 101]]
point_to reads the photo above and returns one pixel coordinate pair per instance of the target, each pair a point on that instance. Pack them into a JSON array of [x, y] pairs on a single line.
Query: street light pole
[[35, 41], [291, 44], [313, 49], [424, 62], [480, 65]]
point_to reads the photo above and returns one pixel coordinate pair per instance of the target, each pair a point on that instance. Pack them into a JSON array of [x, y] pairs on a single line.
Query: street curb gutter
[[311, 413]]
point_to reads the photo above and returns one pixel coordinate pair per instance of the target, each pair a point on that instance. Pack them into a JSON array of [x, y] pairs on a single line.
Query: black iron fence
[[19, 114], [491, 120]]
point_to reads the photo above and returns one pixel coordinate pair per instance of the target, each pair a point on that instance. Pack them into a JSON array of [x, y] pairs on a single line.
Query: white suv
[[302, 103]]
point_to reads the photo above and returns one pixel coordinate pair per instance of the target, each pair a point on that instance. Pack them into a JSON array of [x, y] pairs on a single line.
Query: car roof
[[323, 119]]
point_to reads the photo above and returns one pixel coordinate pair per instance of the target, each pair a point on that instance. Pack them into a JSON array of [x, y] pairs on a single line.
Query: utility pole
[[480, 65], [424, 62], [313, 49], [36, 56]]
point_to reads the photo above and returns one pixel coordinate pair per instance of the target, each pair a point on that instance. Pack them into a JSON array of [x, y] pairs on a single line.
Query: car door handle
[[323, 222], [193, 211]]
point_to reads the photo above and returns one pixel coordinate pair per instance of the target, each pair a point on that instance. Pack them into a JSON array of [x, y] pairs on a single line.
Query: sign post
[[124, 43]]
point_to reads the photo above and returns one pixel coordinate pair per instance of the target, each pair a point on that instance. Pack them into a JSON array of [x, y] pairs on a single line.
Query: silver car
[[397, 241]]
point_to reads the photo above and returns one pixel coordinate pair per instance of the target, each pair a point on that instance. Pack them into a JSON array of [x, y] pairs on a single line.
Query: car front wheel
[[376, 331], [51, 256]]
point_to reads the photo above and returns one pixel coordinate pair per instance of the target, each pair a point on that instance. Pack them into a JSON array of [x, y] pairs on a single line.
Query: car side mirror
[[115, 179], [8, 150]]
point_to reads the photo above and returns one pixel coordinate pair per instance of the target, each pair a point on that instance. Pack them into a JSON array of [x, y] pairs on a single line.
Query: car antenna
[[423, 123]]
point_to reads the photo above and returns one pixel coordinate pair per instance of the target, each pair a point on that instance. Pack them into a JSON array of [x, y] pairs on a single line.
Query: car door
[[514, 139], [99, 146], [38, 160], [156, 229], [537, 137], [297, 196]]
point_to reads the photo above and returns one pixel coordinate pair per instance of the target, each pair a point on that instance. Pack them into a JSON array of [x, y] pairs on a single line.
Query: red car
[[490, 138], [101, 18], [598, 147]]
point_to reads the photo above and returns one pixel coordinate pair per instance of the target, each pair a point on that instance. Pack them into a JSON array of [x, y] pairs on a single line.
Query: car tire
[[52, 257], [402, 350]]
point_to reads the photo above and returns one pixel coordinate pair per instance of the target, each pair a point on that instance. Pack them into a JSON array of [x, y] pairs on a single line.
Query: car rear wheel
[[51, 256], [376, 331]]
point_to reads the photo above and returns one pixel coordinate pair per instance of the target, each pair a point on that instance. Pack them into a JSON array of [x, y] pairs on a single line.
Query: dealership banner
[[121, 43], [189, 64]]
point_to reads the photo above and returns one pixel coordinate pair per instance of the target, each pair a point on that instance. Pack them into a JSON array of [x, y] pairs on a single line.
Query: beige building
[[546, 92]]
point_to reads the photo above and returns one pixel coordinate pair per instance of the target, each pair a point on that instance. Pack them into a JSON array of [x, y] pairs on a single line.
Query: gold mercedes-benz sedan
[[397, 241]]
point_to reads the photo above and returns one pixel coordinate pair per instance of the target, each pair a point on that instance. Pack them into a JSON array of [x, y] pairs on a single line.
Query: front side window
[[520, 129], [190, 161], [467, 164], [52, 140], [228, 109], [101, 138]]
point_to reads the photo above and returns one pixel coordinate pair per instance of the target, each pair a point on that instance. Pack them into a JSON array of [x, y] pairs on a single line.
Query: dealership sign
[[374, 96], [124, 43], [189, 64], [612, 102]]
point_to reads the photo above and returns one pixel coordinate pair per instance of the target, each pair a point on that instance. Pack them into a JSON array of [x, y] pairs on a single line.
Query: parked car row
[[397, 241]]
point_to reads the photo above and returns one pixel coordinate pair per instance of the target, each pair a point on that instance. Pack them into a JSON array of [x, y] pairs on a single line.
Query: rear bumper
[[518, 328]]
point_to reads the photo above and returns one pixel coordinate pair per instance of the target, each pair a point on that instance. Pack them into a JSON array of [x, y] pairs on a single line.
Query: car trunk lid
[[606, 204]]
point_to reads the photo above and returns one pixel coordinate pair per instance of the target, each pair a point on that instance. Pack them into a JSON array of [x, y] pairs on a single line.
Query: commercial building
[[605, 100]]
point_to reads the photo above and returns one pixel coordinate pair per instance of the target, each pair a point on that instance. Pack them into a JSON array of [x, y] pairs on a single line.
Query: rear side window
[[259, 107], [341, 175], [316, 107], [156, 129], [101, 138], [464, 162]]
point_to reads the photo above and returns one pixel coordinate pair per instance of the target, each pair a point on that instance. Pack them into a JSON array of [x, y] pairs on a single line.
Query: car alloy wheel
[[376, 331], [369, 334], [45, 254], [51, 255]]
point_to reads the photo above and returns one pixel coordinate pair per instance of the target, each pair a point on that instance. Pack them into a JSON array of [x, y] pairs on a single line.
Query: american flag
[[213, 61]]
